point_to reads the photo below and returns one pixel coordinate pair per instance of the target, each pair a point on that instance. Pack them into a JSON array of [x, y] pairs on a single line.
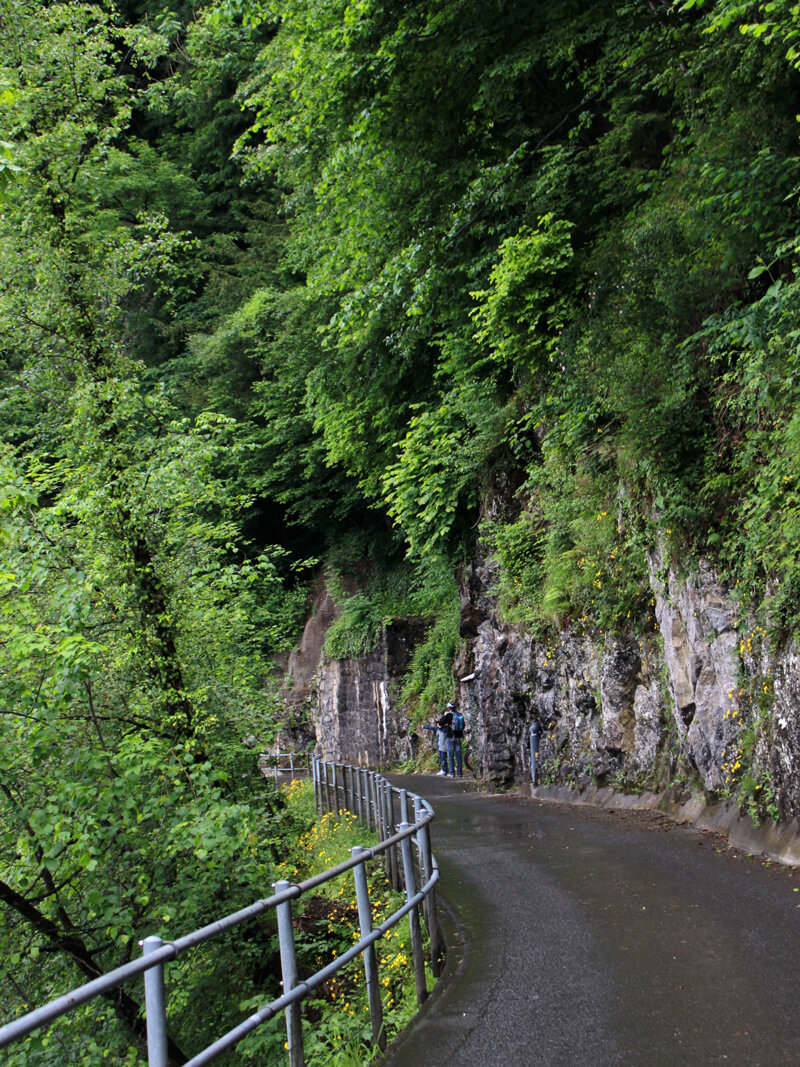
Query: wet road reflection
[[605, 938]]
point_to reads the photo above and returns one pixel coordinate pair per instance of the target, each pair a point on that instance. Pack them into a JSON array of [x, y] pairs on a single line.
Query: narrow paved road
[[592, 937]]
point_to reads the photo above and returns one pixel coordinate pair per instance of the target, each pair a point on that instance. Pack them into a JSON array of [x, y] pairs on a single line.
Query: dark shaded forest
[[293, 284]]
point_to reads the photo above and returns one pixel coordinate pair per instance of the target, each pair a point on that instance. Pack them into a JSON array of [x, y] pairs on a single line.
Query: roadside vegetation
[[289, 285]]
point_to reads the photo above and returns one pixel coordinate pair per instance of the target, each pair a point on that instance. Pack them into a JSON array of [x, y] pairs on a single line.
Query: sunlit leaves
[[521, 308], [136, 624]]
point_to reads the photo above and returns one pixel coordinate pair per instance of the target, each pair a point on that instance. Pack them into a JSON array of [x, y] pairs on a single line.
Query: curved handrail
[[372, 796]]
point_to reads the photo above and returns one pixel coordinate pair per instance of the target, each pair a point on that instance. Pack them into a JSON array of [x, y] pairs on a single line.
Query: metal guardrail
[[275, 763], [375, 801]]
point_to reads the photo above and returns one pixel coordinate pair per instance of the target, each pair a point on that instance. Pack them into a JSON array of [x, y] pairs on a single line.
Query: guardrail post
[[367, 798], [418, 810], [294, 1025], [353, 797], [426, 866], [387, 825], [155, 1006], [328, 805], [335, 769], [381, 784], [380, 810], [413, 916], [393, 876], [403, 818], [370, 958]]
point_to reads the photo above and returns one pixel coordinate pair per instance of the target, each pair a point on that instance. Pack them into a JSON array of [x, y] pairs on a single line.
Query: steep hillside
[[551, 256]]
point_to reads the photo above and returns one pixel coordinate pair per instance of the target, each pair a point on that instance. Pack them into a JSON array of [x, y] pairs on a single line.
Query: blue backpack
[[458, 724]]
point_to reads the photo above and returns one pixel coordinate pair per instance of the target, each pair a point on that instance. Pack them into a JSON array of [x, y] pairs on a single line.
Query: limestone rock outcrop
[[694, 695], [347, 709], [697, 695], [698, 624], [356, 715]]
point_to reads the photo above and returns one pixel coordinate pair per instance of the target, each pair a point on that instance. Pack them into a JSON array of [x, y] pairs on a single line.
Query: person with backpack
[[449, 732], [445, 724], [453, 735], [457, 726]]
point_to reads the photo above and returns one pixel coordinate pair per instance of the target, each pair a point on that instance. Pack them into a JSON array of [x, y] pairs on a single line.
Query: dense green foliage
[[136, 624], [297, 281], [558, 242]]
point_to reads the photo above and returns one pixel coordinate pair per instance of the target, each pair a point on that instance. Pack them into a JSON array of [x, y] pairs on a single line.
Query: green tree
[[136, 627]]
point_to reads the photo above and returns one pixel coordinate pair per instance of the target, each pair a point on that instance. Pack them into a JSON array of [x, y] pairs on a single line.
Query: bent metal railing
[[373, 800]]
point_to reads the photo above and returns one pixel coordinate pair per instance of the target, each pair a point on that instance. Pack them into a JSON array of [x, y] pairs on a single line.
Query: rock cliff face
[[782, 756], [698, 625], [347, 708], [356, 716], [600, 701], [697, 697]]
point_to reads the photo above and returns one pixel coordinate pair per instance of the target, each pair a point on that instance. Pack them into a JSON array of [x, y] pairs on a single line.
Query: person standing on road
[[446, 724], [457, 727], [441, 744]]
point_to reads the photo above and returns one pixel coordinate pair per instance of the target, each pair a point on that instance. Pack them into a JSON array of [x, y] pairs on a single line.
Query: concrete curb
[[776, 841]]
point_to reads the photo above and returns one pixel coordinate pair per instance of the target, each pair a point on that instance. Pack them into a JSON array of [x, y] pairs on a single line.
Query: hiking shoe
[[441, 774]]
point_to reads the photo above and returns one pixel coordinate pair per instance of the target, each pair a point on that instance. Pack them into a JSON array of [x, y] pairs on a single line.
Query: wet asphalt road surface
[[581, 936]]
